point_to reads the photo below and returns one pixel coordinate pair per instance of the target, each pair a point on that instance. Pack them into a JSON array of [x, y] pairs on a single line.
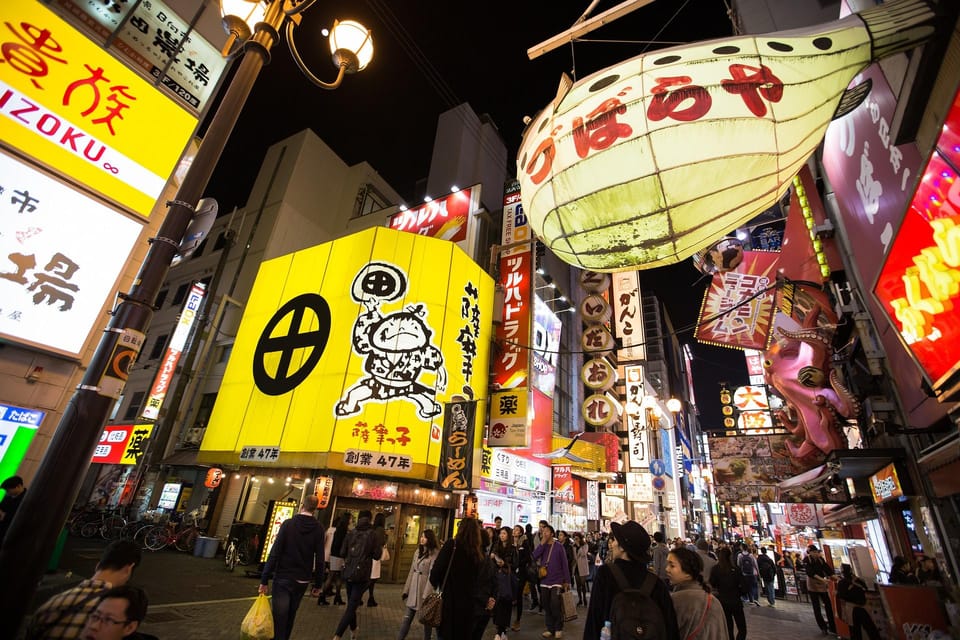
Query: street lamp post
[[652, 413], [33, 532]]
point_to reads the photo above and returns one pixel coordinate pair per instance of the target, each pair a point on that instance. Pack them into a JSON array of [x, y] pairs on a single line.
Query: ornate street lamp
[[33, 533]]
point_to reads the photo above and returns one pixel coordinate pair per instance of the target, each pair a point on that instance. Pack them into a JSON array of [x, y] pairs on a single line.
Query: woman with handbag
[[505, 557], [417, 586], [728, 585], [699, 613], [468, 600]]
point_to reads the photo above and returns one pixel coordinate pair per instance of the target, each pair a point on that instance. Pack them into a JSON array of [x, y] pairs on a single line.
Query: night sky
[[432, 56]]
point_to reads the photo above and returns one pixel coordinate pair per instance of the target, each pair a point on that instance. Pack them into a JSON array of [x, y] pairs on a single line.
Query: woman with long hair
[[332, 584], [727, 582], [471, 593], [581, 567], [564, 538], [526, 572], [417, 586], [506, 559], [699, 614], [380, 535]]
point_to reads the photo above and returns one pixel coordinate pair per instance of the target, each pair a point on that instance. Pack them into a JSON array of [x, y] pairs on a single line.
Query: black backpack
[[768, 570], [358, 562], [633, 614]]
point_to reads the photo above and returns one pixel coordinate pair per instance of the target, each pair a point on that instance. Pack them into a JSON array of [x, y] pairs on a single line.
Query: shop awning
[[858, 510], [940, 463], [862, 463]]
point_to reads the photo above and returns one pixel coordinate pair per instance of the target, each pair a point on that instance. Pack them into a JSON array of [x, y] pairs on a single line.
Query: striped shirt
[[64, 615]]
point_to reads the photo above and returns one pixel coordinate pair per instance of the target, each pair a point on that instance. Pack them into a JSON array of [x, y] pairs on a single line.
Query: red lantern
[[214, 476]]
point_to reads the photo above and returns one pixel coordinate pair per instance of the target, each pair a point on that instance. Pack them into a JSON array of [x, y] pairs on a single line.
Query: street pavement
[[194, 597]]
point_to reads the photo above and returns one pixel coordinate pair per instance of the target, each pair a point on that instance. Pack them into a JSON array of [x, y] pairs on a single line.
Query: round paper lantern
[[594, 309], [598, 374], [641, 164], [214, 476]]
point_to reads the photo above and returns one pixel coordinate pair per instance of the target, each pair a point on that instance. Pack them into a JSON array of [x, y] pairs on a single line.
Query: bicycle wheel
[[230, 557], [89, 529], [156, 538], [186, 540], [112, 527], [141, 532]]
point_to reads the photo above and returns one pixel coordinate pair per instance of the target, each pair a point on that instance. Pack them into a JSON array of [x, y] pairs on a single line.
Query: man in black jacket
[[296, 556]]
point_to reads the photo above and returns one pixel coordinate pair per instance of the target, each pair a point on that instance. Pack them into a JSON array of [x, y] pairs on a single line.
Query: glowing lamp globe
[[351, 44], [240, 17], [643, 163]]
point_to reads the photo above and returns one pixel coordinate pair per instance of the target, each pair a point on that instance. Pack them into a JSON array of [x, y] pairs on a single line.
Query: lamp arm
[[297, 6], [303, 67]]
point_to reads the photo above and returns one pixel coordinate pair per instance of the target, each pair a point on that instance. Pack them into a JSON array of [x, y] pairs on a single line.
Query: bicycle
[[182, 538], [240, 551]]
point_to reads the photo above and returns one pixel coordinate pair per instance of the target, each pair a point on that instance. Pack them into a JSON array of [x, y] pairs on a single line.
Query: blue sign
[[659, 483], [657, 468], [666, 446]]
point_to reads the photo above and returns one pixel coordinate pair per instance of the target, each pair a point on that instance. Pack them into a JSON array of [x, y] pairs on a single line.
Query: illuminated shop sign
[[122, 444], [885, 484], [77, 109], [60, 256]]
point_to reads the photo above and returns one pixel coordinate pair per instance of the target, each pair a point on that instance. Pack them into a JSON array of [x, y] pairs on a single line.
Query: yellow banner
[[347, 352], [75, 108]]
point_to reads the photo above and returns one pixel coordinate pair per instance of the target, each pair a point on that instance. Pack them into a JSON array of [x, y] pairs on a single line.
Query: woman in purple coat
[[552, 555]]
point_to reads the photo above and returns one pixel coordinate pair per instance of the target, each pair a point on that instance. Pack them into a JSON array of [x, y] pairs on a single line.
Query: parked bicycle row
[[155, 531]]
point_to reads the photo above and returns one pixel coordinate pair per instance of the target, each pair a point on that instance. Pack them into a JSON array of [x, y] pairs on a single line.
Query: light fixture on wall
[[34, 375]]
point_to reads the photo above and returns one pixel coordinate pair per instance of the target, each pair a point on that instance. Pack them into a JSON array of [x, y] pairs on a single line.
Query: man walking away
[[660, 552], [768, 572], [359, 551], [749, 569], [119, 615], [296, 556], [10, 503], [64, 615]]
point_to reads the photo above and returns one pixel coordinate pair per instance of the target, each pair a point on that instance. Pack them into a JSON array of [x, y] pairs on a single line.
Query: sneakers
[[558, 634], [546, 634]]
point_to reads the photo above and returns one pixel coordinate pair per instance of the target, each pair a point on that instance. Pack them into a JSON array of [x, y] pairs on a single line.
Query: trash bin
[[206, 547]]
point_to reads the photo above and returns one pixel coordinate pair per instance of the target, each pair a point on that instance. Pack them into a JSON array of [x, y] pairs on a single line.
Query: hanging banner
[[456, 459], [509, 416], [627, 319], [738, 306], [323, 489], [593, 500], [168, 365], [636, 421]]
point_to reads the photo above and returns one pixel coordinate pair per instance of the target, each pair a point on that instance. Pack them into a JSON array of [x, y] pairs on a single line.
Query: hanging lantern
[[641, 164], [214, 476]]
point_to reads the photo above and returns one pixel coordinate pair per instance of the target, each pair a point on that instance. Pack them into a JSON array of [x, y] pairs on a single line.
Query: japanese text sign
[[456, 460], [885, 484], [60, 256], [352, 348], [18, 426], [917, 285], [563, 483], [122, 444], [509, 417], [516, 229], [627, 319], [445, 218], [323, 489], [510, 367], [738, 306], [74, 107], [635, 419]]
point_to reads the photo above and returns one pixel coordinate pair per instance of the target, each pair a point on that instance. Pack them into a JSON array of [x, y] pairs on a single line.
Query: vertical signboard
[[172, 355], [627, 317], [636, 427], [593, 500], [456, 459], [509, 417], [279, 512], [546, 347], [562, 483], [18, 426]]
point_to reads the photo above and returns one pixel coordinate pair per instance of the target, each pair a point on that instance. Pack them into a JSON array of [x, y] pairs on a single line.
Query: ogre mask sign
[[348, 352]]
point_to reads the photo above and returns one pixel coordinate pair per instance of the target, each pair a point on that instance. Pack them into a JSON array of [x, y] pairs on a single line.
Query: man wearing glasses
[[117, 616]]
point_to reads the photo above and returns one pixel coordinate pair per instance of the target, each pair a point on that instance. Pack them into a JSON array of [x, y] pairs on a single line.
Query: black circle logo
[[286, 345]]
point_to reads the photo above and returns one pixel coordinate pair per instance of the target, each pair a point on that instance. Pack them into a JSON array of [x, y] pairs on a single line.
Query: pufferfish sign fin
[[641, 164], [852, 98]]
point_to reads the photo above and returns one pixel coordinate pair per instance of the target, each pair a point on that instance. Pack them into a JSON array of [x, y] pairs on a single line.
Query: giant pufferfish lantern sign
[[643, 163]]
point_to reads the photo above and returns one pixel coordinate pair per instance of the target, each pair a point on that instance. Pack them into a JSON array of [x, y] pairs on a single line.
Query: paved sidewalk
[[198, 598]]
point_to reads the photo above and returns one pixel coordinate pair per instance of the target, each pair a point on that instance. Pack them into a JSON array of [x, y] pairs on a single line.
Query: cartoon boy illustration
[[396, 348]]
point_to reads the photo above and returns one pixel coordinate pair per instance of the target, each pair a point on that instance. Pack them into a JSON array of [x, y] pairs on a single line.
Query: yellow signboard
[[347, 352], [72, 106]]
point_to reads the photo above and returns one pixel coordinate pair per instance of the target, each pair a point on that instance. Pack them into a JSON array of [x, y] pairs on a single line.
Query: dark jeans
[[753, 592], [816, 597], [552, 602], [287, 595], [534, 599], [770, 588], [354, 596], [734, 612], [863, 622]]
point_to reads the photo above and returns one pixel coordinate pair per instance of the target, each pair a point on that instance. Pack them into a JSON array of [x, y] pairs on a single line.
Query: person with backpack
[[749, 569], [360, 549], [699, 613], [295, 557], [767, 569], [551, 556], [728, 585], [627, 594]]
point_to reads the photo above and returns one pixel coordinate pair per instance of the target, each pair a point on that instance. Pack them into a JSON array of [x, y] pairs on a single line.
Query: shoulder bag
[[431, 609], [543, 567], [703, 619]]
